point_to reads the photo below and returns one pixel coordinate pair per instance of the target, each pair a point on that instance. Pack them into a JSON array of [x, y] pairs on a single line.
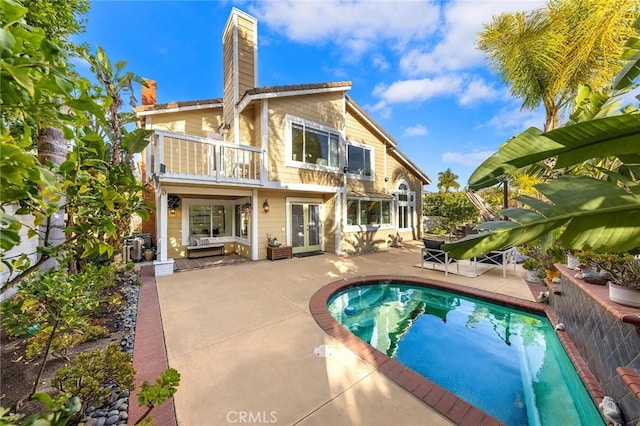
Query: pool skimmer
[[323, 351]]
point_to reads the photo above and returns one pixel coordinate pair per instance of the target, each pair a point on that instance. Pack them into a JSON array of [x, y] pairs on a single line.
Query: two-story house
[[302, 163]]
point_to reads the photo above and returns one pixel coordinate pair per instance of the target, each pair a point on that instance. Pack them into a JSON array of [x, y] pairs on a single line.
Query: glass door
[[305, 227]]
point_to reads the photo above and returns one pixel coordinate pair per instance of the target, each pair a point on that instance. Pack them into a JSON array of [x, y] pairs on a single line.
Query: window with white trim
[[360, 159], [313, 144], [209, 220], [405, 205], [362, 212], [229, 220], [242, 220]]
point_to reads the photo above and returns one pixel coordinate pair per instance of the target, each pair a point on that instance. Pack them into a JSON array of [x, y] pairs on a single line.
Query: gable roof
[[291, 90], [390, 141], [249, 95], [178, 106]]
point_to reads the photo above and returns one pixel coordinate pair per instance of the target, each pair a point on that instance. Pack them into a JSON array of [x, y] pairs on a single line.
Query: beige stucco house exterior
[[302, 163]]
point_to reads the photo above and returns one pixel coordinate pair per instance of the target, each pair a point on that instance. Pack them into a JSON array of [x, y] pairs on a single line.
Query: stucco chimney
[[149, 94]]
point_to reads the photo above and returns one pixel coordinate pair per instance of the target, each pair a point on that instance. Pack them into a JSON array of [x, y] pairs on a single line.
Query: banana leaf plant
[[601, 215]]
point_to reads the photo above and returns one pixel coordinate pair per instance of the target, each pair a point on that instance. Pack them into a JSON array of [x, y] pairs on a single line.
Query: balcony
[[179, 157]]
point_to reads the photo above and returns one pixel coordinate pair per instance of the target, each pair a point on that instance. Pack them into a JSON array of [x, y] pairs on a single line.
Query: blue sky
[[413, 64]]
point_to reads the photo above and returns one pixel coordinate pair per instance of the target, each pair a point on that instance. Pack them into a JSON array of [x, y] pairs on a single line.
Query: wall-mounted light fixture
[[173, 202], [345, 169], [265, 206], [223, 128]]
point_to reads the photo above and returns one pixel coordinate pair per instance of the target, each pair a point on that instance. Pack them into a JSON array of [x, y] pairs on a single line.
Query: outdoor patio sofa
[[203, 245], [502, 258], [432, 253]]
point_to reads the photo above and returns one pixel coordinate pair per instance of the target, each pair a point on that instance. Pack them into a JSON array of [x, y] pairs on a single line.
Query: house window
[[209, 221], [405, 206], [359, 159], [368, 212], [242, 221], [314, 145]]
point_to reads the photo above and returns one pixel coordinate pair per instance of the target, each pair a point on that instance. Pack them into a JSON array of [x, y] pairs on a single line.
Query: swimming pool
[[507, 362]]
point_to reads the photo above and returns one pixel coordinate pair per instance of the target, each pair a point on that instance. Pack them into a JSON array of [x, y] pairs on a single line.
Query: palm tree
[[447, 180], [592, 214], [546, 54], [52, 151]]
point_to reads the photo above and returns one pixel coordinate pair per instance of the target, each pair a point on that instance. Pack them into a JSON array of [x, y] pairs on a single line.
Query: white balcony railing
[[176, 155]]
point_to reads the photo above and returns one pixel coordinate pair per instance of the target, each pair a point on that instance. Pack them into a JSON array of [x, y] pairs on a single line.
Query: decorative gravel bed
[[116, 409]]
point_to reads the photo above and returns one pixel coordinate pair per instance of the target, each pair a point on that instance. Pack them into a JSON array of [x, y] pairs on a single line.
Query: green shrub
[[531, 264], [451, 206], [92, 374]]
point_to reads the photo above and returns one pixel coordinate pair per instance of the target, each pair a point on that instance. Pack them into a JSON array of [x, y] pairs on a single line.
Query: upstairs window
[[359, 160], [314, 145]]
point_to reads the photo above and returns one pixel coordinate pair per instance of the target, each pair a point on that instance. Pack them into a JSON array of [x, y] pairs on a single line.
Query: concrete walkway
[[243, 340]]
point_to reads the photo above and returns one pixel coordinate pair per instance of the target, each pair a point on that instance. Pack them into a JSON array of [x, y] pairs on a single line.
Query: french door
[[305, 227]]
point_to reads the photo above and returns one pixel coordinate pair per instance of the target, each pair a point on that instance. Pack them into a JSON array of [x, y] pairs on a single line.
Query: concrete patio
[[243, 340]]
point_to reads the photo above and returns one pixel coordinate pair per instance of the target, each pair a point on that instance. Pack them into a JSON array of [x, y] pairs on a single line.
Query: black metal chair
[[455, 232]]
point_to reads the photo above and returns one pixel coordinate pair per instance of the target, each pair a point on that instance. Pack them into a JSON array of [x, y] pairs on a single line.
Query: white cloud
[[380, 63], [469, 159], [512, 120], [417, 130], [456, 50], [478, 90], [357, 24], [337, 72], [418, 90], [381, 108]]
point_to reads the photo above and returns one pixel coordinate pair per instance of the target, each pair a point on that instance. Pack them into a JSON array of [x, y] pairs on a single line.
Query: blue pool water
[[507, 362]]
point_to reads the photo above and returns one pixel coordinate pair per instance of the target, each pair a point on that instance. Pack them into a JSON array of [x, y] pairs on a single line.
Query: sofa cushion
[[205, 241], [431, 244]]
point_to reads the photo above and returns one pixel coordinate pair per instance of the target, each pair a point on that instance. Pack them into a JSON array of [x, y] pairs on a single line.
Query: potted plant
[[272, 241], [546, 256], [533, 268], [624, 276]]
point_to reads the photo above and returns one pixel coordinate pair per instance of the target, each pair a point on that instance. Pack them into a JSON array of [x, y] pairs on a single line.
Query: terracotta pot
[[624, 295]]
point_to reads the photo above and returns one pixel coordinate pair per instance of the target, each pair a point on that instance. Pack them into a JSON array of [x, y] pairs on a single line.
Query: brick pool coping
[[449, 405]]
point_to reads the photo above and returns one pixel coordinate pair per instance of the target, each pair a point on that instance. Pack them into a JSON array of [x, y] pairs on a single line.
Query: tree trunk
[[44, 359], [52, 150]]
